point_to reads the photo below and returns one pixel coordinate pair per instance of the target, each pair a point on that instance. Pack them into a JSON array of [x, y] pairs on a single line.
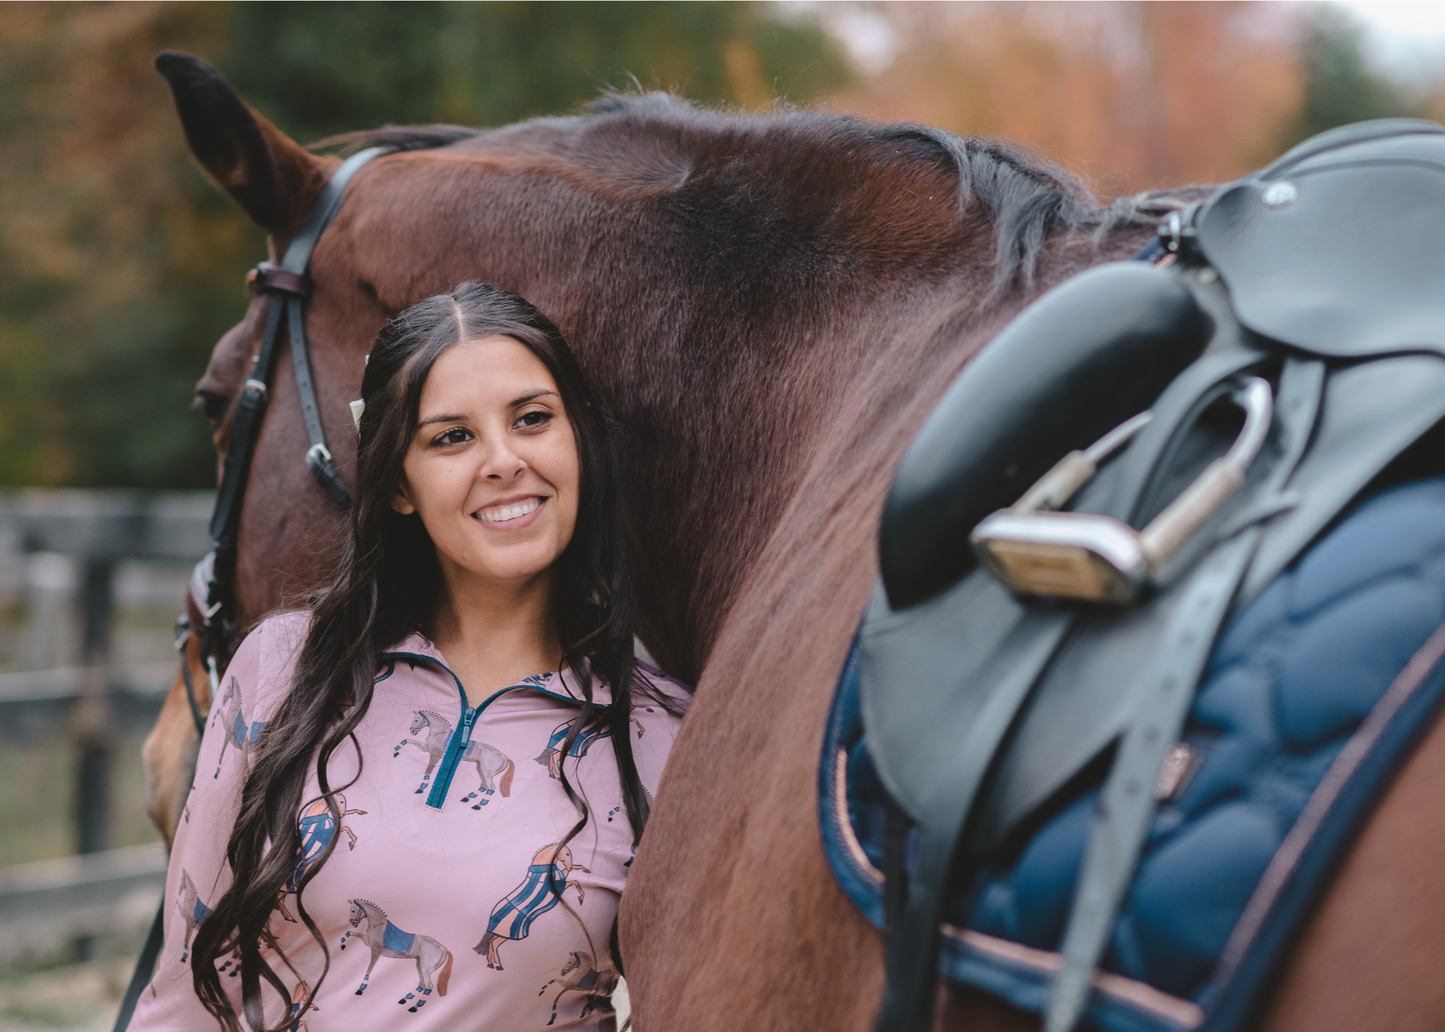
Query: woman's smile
[[509, 514]]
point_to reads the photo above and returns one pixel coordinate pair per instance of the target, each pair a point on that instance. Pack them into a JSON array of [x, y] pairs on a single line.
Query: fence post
[[92, 786]]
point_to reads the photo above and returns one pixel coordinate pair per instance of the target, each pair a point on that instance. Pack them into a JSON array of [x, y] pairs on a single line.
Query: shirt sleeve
[[198, 874]]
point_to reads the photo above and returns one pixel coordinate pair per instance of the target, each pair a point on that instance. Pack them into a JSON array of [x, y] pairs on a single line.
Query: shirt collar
[[563, 686]]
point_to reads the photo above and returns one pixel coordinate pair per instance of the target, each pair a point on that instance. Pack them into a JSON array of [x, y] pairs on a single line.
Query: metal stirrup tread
[[1035, 550]]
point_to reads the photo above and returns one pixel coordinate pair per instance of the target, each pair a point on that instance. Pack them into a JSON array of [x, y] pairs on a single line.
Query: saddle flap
[[1339, 247], [1086, 356]]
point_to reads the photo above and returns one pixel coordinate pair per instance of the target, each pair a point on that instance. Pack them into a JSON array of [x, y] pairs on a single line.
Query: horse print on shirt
[[299, 1007], [239, 732], [317, 831], [540, 891], [193, 911], [579, 975], [551, 756], [494, 768], [387, 940]]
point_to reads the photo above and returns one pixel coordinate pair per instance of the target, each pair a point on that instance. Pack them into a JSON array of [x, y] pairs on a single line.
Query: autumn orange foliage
[[1132, 96]]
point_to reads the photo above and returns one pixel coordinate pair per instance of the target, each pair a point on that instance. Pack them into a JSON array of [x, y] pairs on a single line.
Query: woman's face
[[492, 468]]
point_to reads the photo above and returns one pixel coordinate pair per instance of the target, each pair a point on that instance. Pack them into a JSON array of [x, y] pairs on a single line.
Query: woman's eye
[[531, 420], [456, 435]]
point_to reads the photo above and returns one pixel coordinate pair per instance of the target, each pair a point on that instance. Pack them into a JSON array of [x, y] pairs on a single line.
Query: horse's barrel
[[1087, 355]]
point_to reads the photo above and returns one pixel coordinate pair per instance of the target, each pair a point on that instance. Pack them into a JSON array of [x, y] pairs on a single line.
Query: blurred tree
[[1132, 95], [1340, 86], [120, 265]]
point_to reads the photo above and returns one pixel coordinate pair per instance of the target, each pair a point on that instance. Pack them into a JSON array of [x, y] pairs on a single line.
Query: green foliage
[[1340, 86], [120, 265], [324, 68]]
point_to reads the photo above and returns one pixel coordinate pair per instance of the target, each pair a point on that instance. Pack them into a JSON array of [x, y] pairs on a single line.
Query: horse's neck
[[375, 918], [727, 375]]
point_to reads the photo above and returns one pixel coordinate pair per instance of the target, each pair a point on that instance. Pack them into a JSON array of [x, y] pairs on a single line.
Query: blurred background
[[120, 266]]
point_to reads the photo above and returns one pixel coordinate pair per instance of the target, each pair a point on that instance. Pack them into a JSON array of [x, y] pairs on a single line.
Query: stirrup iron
[[1033, 549]]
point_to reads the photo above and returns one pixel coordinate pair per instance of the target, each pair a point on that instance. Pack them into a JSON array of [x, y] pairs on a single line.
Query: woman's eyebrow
[[429, 420], [532, 396]]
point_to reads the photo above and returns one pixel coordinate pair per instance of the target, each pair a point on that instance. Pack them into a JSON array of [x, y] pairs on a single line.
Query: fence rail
[[33, 702], [109, 524], [49, 904]]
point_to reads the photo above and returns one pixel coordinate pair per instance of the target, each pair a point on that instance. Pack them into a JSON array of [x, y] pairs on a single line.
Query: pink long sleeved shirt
[[435, 904]]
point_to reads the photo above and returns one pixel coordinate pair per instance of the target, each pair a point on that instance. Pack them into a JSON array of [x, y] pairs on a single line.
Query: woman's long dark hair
[[387, 585]]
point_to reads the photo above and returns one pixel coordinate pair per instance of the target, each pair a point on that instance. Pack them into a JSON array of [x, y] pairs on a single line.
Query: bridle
[[287, 286]]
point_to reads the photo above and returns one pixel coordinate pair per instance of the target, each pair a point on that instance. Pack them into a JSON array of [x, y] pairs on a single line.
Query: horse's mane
[[1027, 199], [438, 716]]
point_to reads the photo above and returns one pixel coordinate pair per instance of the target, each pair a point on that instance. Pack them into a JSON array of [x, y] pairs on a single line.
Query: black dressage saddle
[[1189, 427]]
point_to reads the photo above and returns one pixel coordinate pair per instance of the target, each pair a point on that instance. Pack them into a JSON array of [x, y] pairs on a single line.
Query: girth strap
[[1161, 703]]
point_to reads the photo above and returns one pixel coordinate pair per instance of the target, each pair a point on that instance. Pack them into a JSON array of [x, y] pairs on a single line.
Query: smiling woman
[[477, 639]]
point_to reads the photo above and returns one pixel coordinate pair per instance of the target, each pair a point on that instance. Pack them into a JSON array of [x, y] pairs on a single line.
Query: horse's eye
[[214, 405]]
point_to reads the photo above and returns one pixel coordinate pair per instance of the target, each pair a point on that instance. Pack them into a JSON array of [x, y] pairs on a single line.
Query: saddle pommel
[[1086, 356]]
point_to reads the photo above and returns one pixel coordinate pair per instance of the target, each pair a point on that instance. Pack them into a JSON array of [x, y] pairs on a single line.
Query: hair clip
[[357, 407]]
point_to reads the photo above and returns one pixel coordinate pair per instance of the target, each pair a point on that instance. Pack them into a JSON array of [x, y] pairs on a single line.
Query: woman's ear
[[401, 501]]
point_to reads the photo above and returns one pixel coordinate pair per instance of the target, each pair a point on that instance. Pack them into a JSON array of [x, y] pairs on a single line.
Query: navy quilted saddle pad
[[1315, 690]]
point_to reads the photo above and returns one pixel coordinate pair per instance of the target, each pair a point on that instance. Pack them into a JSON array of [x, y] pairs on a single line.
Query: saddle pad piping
[[856, 874], [1034, 970]]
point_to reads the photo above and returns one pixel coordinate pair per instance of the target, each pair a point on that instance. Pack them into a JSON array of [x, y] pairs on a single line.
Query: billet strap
[[1164, 694], [145, 965]]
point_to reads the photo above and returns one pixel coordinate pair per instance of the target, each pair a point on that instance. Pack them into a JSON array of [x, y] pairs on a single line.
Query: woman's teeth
[[499, 513]]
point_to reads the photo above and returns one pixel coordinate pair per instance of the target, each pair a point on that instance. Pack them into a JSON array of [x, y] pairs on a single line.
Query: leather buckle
[[1034, 550], [270, 277]]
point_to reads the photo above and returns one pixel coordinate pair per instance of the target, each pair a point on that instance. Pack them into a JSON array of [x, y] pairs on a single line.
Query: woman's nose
[[503, 463]]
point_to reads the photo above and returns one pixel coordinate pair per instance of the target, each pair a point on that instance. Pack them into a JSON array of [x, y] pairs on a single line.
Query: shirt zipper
[[457, 744]]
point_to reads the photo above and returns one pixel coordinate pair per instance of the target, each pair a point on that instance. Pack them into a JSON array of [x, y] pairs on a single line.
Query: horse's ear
[[261, 167]]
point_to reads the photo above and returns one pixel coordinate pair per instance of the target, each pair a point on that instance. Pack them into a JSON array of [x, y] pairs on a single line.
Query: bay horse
[[772, 304]]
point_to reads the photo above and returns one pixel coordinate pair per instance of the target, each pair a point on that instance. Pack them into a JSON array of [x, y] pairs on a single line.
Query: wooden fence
[[99, 890]]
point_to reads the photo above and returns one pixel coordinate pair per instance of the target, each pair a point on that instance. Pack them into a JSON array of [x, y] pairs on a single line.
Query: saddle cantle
[[982, 714]]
